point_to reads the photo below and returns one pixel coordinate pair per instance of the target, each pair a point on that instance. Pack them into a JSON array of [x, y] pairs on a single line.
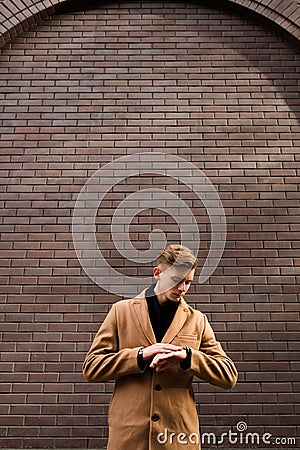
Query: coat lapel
[[142, 315], [177, 323]]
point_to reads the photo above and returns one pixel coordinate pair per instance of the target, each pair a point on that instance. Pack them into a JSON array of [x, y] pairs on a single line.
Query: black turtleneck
[[161, 316]]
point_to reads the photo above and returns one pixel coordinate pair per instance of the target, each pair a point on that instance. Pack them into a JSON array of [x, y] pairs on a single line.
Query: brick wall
[[219, 88]]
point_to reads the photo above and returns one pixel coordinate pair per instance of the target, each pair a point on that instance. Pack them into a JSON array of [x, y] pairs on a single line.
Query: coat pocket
[[187, 340], [191, 336]]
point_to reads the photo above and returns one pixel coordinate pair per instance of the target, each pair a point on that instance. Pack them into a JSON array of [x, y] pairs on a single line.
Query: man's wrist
[[140, 359], [186, 363]]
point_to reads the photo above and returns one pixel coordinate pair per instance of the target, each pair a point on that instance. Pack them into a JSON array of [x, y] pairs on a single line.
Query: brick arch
[[17, 16]]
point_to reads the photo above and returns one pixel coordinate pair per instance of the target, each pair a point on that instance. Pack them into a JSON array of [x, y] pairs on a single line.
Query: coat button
[[155, 417], [158, 387]]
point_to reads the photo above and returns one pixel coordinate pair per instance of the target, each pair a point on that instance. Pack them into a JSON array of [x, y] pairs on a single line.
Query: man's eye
[[176, 280]]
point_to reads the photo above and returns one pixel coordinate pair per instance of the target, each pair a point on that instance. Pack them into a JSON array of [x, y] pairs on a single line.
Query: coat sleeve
[[211, 363], [104, 361]]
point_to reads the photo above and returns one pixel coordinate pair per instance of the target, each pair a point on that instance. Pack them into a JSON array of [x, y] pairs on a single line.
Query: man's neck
[[162, 298]]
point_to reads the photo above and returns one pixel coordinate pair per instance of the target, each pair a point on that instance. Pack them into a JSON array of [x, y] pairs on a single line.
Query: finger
[[166, 365], [173, 347], [158, 357], [166, 347], [160, 368], [154, 362], [161, 357], [157, 364]]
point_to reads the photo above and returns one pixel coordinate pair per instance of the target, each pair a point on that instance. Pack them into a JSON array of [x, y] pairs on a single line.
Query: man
[[152, 346]]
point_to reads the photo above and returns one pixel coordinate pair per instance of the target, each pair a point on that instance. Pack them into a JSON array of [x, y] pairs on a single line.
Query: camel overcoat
[[150, 410]]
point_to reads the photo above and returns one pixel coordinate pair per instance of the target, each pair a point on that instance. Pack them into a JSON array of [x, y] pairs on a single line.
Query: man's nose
[[181, 286]]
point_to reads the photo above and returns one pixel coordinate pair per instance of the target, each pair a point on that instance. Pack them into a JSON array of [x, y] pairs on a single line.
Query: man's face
[[173, 282]]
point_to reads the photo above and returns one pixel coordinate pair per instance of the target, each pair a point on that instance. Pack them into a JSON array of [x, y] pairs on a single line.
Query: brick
[[202, 103]]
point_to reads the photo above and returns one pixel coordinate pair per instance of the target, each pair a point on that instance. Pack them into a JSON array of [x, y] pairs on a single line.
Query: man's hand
[[159, 349], [164, 360]]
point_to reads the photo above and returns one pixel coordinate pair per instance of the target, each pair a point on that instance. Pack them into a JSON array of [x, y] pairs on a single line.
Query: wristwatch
[[140, 359], [186, 363]]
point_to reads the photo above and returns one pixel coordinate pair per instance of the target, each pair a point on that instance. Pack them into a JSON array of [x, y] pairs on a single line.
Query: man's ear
[[156, 272]]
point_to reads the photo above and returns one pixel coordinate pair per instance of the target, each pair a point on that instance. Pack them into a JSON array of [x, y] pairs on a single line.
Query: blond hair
[[179, 255]]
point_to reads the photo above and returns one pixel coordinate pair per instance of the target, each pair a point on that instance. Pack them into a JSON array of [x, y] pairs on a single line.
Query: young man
[[152, 346]]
